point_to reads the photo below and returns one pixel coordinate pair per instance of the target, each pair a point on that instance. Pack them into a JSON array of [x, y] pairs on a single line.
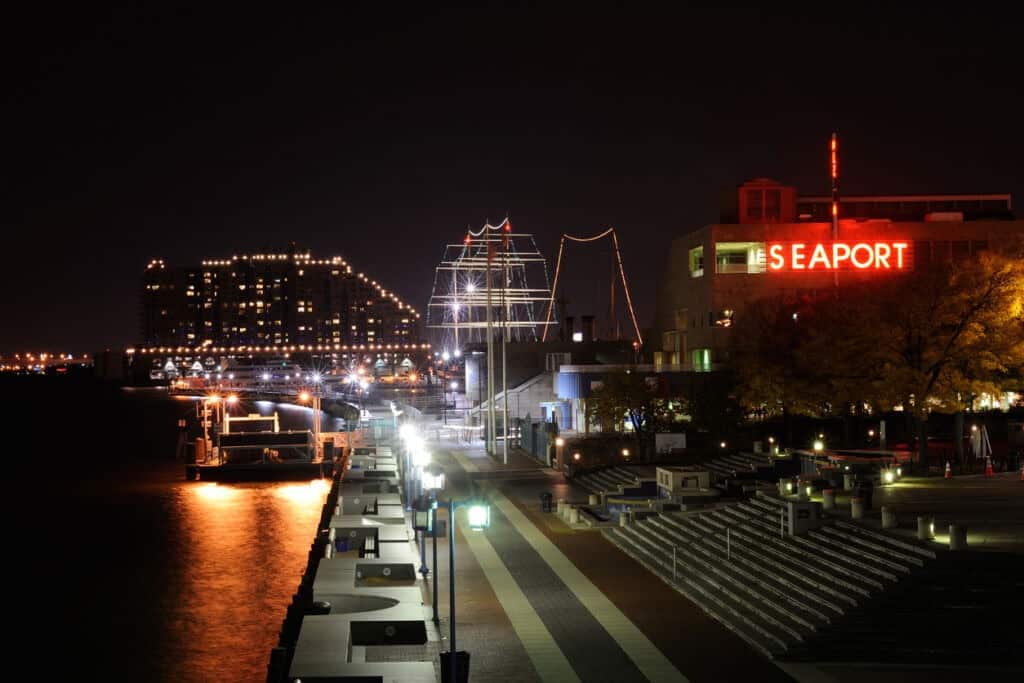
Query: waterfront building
[[770, 242], [271, 305], [270, 299]]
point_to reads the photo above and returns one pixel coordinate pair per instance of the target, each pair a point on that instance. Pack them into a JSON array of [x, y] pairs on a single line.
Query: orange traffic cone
[[949, 472], [988, 466]]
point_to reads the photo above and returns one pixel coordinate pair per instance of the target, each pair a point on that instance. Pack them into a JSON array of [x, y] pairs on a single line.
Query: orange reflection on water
[[245, 548]]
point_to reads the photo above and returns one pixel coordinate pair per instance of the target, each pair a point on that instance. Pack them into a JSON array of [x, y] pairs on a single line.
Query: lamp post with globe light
[[478, 517], [433, 481]]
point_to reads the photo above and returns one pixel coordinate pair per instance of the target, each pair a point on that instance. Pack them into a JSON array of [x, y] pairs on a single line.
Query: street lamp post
[[479, 517], [433, 481]]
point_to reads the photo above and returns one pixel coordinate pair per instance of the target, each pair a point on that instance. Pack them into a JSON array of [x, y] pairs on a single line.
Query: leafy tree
[[637, 397]]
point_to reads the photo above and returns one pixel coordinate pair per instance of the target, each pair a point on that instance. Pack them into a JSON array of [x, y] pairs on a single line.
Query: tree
[[636, 397], [929, 341]]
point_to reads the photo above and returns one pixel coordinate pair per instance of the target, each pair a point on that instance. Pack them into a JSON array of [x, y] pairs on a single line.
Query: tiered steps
[[606, 481], [775, 591]]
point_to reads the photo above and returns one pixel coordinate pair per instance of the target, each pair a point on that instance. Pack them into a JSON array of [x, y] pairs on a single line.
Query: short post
[[888, 518], [828, 499], [957, 537], [925, 528], [847, 481], [592, 499], [857, 507]]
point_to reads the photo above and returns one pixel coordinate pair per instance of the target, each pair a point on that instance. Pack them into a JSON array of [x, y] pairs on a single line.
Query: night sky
[[189, 133]]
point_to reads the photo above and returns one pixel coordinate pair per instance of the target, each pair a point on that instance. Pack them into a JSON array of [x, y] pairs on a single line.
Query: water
[[118, 567]]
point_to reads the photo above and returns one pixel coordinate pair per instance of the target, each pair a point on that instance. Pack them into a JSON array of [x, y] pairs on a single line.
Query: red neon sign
[[882, 255]]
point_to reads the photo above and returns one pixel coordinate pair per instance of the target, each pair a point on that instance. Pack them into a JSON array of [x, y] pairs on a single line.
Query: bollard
[[847, 481], [925, 528], [566, 510], [329, 551], [782, 487], [574, 515], [957, 537], [888, 518], [560, 508], [857, 507], [624, 518], [828, 499], [592, 499], [802, 493]]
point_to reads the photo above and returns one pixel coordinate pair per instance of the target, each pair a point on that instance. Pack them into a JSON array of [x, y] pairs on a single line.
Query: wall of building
[[695, 313]]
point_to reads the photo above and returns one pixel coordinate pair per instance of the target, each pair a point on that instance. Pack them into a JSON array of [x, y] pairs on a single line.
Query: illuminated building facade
[[771, 243], [271, 302]]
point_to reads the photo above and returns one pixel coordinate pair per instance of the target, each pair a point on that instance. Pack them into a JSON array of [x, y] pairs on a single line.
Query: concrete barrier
[[828, 499], [857, 507], [592, 499], [888, 518], [957, 537], [925, 528]]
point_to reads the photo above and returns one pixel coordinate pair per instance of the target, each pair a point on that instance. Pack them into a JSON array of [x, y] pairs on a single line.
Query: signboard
[[881, 255]]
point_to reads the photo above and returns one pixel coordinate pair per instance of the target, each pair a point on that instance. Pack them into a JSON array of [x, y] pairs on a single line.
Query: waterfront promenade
[[538, 600]]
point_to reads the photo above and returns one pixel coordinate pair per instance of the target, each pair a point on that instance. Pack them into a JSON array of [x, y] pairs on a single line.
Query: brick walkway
[[699, 647]]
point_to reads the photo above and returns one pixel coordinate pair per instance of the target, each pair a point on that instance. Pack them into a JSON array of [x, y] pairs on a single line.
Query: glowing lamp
[[576, 456], [721, 445], [559, 441], [818, 446], [454, 385], [303, 396], [420, 457], [479, 516], [888, 476], [433, 477], [406, 431], [232, 399], [625, 452]]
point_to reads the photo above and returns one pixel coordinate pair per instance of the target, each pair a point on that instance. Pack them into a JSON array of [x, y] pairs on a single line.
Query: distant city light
[[445, 356], [458, 353], [470, 287]]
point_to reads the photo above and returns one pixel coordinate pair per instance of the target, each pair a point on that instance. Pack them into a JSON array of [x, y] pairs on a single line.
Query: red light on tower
[[508, 225], [468, 238]]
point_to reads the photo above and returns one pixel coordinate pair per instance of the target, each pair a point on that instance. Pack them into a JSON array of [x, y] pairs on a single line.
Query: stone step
[[775, 582], [709, 597], [585, 483], [794, 556], [890, 551], [844, 556], [606, 482], [772, 560], [811, 553], [869, 556], [767, 608], [886, 538]]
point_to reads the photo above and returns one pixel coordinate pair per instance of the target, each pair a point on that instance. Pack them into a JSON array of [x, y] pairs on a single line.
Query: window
[[701, 359], [739, 257], [724, 318], [697, 262]]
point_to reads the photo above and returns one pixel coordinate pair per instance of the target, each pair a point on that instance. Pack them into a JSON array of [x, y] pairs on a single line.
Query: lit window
[[739, 257], [697, 262]]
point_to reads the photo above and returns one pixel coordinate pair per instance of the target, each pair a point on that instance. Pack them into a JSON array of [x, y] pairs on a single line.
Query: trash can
[[863, 488], [545, 502], [461, 664]]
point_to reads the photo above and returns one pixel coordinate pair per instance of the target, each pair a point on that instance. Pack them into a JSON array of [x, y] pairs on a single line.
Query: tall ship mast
[[457, 314]]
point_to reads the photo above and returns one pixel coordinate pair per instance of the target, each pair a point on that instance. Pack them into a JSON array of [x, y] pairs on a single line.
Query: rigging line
[[625, 287], [589, 239], [554, 288]]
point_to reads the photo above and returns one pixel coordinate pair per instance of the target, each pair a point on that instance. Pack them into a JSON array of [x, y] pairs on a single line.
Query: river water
[[119, 568]]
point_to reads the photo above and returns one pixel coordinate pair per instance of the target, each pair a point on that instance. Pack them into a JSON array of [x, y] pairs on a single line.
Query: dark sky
[[187, 133]]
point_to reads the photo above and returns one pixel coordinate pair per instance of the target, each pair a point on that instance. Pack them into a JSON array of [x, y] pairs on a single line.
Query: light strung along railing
[[622, 275]]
